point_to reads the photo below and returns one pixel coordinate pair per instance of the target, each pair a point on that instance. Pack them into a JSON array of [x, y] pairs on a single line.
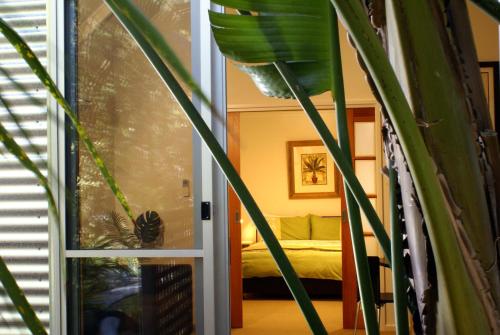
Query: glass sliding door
[[153, 274]]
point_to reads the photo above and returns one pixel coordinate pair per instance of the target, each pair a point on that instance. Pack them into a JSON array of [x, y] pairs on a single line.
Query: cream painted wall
[[263, 137], [263, 166]]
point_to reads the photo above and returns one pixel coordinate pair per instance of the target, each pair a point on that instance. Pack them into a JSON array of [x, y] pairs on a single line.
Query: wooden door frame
[[349, 285], [234, 216], [349, 281]]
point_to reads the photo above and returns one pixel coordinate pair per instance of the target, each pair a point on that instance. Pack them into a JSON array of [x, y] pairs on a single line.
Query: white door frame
[[212, 258]]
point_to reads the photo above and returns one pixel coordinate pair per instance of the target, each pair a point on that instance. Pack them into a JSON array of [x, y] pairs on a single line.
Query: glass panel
[[365, 171], [138, 128], [364, 138], [131, 296], [364, 220]]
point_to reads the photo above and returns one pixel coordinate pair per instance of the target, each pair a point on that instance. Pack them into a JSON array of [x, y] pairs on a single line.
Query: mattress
[[315, 259]]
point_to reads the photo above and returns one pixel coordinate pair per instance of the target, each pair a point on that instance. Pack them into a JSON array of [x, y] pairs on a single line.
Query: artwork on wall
[[489, 75], [311, 171]]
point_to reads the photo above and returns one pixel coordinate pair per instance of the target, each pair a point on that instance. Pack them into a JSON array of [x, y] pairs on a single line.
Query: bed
[[313, 246]]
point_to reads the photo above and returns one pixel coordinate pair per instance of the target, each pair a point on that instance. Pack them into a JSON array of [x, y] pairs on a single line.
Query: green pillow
[[295, 228], [325, 228]]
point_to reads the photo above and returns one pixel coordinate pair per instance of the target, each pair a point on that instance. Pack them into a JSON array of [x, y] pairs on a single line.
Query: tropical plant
[[292, 47], [118, 234]]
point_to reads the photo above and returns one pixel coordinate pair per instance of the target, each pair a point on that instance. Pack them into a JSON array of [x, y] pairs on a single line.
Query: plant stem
[[291, 278], [399, 283], [357, 236], [457, 295]]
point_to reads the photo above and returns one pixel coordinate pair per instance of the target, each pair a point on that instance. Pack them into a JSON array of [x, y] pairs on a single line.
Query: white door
[[154, 275]]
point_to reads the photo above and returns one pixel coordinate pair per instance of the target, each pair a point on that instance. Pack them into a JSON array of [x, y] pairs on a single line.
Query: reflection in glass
[[132, 296], [137, 127]]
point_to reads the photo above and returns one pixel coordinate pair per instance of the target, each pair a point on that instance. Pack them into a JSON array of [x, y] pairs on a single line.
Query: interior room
[[266, 139], [117, 214]]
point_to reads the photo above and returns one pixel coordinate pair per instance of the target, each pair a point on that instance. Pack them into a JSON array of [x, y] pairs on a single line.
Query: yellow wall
[[263, 137]]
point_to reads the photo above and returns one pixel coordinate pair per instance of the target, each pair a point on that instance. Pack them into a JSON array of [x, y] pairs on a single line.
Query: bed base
[[275, 287]]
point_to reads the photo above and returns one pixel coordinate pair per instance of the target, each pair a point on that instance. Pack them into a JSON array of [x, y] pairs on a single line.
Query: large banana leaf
[[443, 98], [294, 32], [461, 309], [129, 15]]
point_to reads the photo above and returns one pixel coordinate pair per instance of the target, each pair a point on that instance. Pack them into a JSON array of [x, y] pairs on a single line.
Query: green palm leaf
[[294, 32]]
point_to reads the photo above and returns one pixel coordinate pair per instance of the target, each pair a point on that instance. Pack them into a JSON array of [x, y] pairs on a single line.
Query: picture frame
[[489, 75], [312, 173]]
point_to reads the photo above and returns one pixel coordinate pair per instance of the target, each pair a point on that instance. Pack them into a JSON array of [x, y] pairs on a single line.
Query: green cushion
[[275, 224], [325, 228], [295, 228]]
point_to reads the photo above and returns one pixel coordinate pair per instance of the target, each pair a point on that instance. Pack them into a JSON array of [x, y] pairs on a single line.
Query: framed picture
[[311, 171], [489, 74]]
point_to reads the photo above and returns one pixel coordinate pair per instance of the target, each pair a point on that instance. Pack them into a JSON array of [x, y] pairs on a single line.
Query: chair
[[380, 298]]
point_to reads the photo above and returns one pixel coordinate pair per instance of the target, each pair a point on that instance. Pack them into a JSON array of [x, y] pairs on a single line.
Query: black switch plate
[[205, 210]]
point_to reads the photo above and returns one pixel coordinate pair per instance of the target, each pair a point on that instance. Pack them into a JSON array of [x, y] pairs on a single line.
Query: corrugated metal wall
[[23, 206]]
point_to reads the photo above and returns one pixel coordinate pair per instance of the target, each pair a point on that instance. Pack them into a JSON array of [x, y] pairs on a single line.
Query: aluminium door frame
[[209, 71]]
